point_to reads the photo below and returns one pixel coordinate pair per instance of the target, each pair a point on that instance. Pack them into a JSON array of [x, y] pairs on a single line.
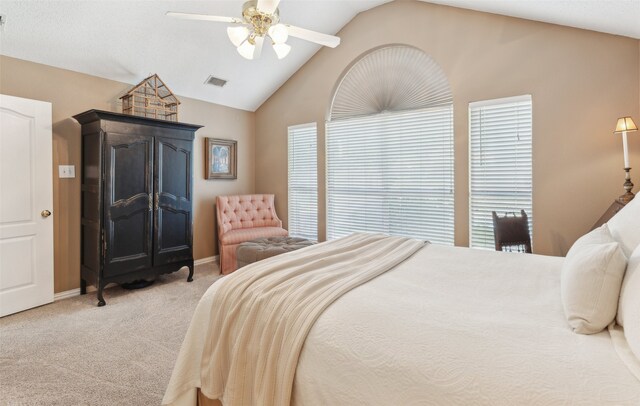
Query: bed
[[445, 326]]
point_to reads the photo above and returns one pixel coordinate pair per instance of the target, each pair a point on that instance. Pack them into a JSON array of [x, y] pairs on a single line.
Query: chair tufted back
[[246, 211]]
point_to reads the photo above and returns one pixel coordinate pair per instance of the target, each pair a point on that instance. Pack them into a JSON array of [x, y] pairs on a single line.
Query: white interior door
[[26, 225]]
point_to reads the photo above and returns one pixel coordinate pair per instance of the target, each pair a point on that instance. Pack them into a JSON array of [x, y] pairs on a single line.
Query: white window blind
[[392, 173], [500, 164], [303, 181]]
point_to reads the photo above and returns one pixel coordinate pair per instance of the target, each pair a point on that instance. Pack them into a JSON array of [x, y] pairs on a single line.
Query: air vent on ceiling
[[211, 80]]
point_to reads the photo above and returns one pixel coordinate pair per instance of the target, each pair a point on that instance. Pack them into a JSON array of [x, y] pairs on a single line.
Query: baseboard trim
[[205, 260], [66, 294]]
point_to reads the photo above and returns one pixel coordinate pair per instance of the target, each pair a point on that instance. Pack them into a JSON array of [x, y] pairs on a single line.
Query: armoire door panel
[[127, 242], [132, 160], [173, 220], [175, 168], [128, 202]]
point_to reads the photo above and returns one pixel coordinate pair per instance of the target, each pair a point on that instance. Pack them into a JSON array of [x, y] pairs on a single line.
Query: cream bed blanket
[[261, 315], [448, 326]]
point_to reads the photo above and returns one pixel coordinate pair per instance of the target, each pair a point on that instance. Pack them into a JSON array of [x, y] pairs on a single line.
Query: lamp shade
[[279, 33], [282, 50], [247, 49], [625, 124], [237, 35]]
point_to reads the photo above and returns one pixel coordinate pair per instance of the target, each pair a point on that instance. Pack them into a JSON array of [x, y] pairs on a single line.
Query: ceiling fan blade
[[258, 49], [267, 6], [313, 36], [204, 17]]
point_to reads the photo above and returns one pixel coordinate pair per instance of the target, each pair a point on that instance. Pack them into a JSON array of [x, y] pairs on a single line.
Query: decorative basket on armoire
[[137, 193]]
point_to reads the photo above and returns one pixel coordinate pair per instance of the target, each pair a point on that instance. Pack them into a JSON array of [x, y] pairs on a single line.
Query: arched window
[[390, 148]]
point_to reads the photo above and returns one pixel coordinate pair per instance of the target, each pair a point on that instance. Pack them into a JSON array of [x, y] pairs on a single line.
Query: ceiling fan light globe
[[237, 35], [282, 50], [246, 49], [279, 33]]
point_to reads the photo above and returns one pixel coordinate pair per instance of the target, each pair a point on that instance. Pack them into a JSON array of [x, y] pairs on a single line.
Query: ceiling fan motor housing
[[261, 22]]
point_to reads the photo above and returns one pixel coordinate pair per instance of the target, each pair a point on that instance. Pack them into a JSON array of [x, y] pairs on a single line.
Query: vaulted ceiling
[[128, 40]]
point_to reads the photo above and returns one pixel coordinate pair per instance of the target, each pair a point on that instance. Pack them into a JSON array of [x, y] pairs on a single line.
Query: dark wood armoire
[[137, 193]]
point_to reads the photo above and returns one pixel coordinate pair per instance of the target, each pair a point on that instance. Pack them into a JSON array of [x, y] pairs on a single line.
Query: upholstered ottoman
[[261, 248]]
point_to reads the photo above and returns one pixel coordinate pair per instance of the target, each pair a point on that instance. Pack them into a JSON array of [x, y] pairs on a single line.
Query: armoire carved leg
[[83, 287], [190, 277], [101, 301]]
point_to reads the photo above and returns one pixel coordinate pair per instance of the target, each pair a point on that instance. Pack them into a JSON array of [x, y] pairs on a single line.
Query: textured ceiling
[[128, 40], [620, 17]]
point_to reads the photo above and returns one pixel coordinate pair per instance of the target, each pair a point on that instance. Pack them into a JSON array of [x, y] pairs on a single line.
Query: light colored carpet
[[74, 353]]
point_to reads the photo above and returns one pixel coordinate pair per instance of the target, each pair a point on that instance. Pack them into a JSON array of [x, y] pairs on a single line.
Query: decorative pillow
[[590, 281], [629, 306], [625, 227]]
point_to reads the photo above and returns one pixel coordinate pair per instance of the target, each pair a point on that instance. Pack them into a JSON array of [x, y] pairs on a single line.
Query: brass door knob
[[45, 213]]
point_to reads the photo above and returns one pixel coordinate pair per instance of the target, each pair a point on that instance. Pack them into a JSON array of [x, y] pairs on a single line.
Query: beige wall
[[581, 82], [72, 93]]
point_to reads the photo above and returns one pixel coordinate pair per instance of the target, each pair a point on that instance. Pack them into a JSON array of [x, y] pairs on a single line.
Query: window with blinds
[[392, 173], [500, 164], [303, 181]]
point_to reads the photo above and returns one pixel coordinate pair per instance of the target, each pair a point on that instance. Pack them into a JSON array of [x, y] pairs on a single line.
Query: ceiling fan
[[261, 19]]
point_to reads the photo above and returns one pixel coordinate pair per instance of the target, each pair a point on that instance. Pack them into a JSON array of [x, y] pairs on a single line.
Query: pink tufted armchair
[[244, 218]]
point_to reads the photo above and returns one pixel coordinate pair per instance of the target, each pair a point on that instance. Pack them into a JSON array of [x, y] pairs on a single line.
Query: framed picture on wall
[[221, 158]]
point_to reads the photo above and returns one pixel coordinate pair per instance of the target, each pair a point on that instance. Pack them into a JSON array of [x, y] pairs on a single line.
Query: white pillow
[[625, 226], [629, 306], [590, 281]]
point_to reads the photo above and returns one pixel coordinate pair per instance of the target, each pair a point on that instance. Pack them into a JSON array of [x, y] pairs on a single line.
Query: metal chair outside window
[[511, 232]]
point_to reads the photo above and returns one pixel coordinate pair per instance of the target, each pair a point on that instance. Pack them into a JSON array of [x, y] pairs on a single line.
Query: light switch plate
[[66, 171]]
